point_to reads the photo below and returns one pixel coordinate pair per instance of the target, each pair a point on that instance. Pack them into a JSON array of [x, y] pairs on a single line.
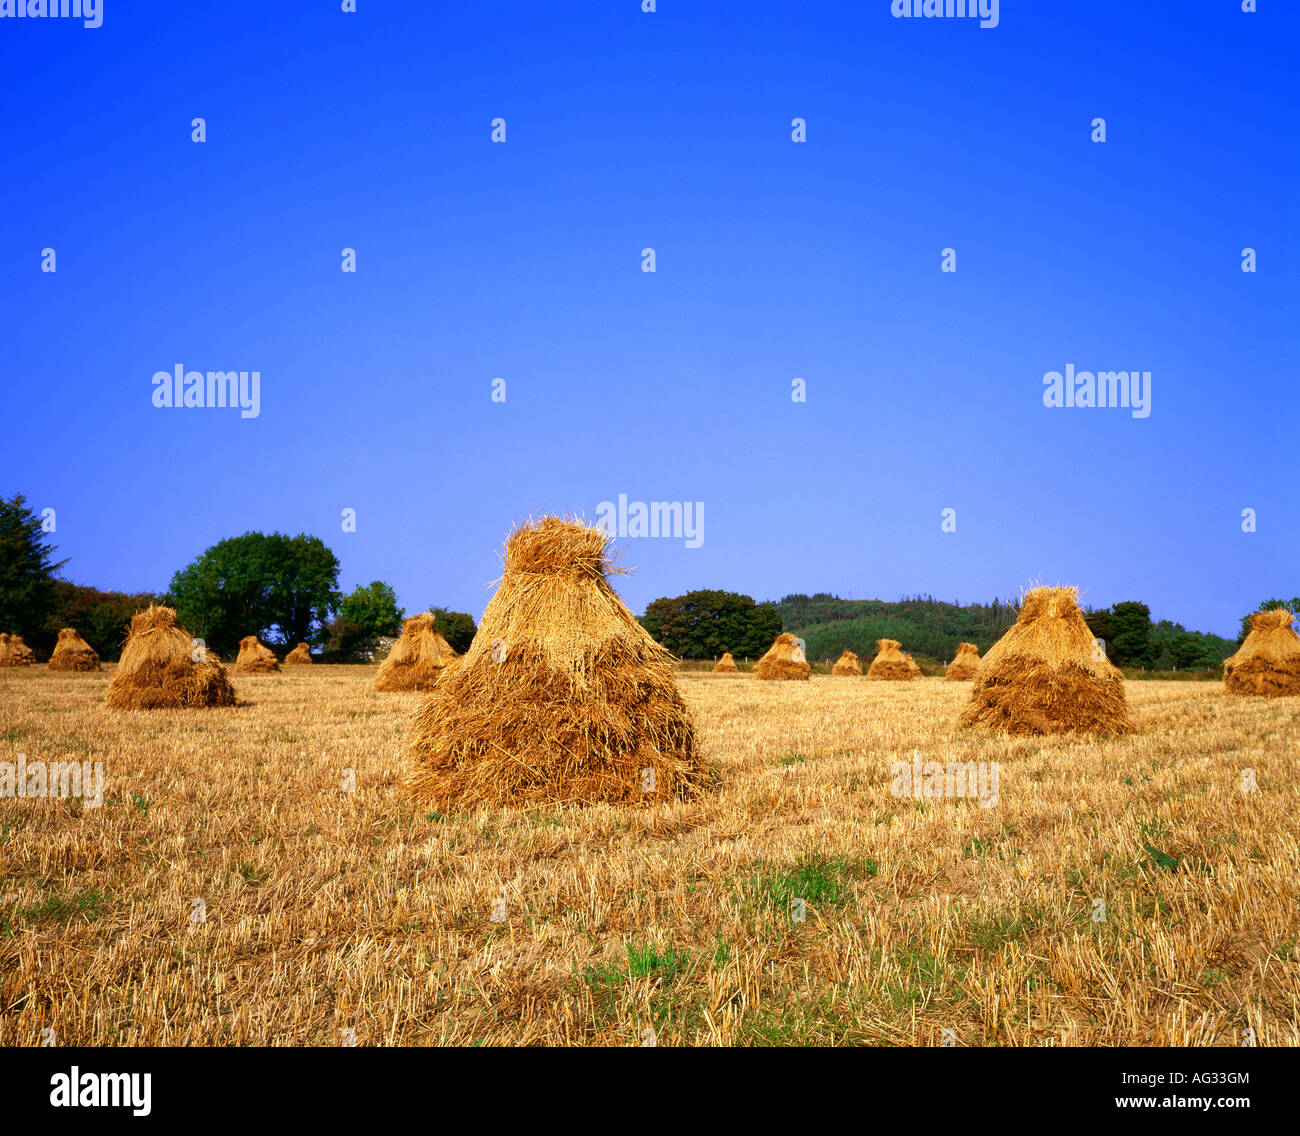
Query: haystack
[[914, 667], [301, 654], [1268, 662], [784, 660], [72, 653], [1047, 676], [417, 659], [563, 696], [14, 652], [158, 669], [965, 664], [726, 664], [890, 664], [255, 658], [847, 664]]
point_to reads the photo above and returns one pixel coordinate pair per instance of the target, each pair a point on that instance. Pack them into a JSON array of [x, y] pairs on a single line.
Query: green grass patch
[[820, 881], [64, 907]]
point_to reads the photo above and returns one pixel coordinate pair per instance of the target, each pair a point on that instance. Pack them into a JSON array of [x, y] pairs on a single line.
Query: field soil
[[258, 876]]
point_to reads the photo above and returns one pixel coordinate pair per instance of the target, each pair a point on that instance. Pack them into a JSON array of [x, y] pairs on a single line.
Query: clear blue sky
[[775, 260]]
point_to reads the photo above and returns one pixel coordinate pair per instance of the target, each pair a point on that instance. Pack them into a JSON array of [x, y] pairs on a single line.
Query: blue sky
[[774, 261]]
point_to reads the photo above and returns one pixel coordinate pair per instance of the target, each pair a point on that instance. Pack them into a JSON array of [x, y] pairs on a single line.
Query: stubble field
[[231, 891]]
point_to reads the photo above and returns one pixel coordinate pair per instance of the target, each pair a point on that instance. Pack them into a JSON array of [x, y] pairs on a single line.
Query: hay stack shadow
[[1047, 675], [726, 664], [784, 660], [417, 659], [890, 664], [14, 652], [158, 669], [1268, 662], [562, 697], [72, 653], [965, 665], [847, 664], [255, 658]]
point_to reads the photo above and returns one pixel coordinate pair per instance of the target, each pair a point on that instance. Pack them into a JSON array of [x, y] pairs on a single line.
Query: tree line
[[283, 589], [703, 624]]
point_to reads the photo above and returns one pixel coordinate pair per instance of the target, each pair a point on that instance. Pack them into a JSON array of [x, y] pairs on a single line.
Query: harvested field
[[326, 909]]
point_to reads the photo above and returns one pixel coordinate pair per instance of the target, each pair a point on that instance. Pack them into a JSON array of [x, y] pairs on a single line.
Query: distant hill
[[924, 625], [932, 628]]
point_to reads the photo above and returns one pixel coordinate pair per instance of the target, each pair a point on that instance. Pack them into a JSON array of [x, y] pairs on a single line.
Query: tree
[[373, 607], [364, 614], [456, 627], [1102, 625], [1131, 631], [277, 587], [703, 624], [26, 570], [101, 617]]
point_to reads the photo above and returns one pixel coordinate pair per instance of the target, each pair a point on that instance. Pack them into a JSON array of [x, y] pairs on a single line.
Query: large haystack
[[784, 660], [1046, 675], [158, 669], [890, 664], [14, 652], [726, 664], [562, 696], [72, 653], [847, 664], [255, 658], [1268, 662], [300, 655], [417, 659], [965, 664]]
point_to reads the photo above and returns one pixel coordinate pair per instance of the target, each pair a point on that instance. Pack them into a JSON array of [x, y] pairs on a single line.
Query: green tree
[[364, 614], [1101, 623], [374, 608], [101, 617], [703, 624], [278, 587], [456, 627], [1131, 642], [26, 570]]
